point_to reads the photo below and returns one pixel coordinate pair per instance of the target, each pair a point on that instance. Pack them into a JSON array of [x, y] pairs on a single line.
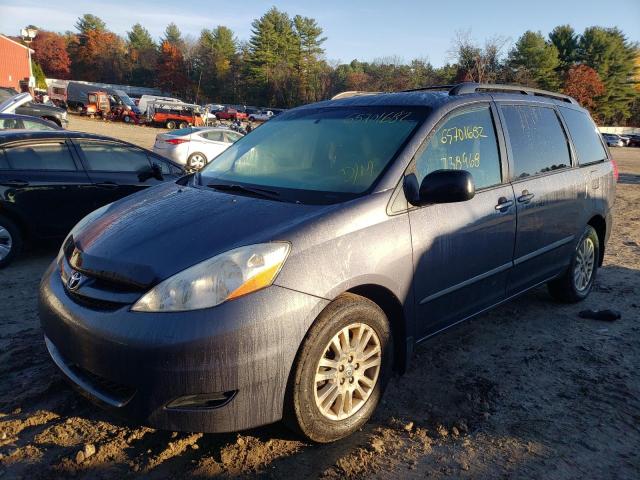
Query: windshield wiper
[[259, 192]]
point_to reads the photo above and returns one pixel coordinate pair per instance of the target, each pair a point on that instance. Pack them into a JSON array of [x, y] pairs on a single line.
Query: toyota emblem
[[74, 281]]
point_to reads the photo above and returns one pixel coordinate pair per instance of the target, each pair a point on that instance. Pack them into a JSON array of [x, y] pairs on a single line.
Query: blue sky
[[363, 29]]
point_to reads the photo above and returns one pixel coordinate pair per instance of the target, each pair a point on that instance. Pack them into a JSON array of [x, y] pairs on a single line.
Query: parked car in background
[[625, 139], [209, 113], [174, 114], [634, 140], [613, 140], [11, 121], [289, 277], [231, 113], [145, 100], [261, 116], [194, 147], [52, 113], [49, 180]]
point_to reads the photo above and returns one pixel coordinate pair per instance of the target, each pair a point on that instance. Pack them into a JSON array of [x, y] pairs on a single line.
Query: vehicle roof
[[7, 136], [437, 96]]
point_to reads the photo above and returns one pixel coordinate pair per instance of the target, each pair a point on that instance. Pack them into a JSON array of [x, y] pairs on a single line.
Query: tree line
[[283, 64]]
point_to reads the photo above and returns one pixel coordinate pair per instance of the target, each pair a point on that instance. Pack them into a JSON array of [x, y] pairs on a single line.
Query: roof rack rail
[[472, 87], [432, 87], [352, 93]]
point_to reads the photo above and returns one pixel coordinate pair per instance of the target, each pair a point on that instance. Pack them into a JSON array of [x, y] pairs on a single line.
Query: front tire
[[183, 125], [10, 241], [576, 283], [341, 370], [170, 124]]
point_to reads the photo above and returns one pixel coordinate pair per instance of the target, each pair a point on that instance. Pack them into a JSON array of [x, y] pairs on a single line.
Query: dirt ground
[[526, 391], [143, 136]]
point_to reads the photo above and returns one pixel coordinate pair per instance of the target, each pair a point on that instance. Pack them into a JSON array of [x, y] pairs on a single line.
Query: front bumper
[[134, 364]]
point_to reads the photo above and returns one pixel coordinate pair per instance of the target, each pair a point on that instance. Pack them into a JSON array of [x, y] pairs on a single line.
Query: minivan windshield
[[340, 151]]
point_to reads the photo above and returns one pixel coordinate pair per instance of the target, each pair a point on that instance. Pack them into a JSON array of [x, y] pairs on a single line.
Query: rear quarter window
[[585, 136]]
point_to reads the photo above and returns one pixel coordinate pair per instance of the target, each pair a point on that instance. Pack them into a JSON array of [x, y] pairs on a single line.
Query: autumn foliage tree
[[583, 83], [99, 56], [50, 52], [171, 69]]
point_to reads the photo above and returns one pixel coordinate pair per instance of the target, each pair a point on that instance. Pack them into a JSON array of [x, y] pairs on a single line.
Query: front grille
[[120, 393], [92, 303]]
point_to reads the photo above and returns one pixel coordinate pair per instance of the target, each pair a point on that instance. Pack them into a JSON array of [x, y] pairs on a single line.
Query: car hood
[[149, 236]]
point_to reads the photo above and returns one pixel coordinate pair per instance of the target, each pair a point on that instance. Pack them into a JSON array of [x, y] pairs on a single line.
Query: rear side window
[[466, 141], [31, 125], [538, 142], [111, 157], [215, 136], [586, 138], [10, 124], [41, 156]]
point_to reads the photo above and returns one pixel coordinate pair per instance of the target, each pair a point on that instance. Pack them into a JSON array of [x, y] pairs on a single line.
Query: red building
[[15, 64]]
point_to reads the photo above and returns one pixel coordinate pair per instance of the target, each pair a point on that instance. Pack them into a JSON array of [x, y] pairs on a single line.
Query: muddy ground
[[526, 391]]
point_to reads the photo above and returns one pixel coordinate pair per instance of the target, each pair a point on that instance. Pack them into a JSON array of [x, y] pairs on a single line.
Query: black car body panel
[[47, 203]]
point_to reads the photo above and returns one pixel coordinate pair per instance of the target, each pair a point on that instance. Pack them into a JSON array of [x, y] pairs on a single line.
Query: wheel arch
[[600, 226], [22, 225], [392, 307]]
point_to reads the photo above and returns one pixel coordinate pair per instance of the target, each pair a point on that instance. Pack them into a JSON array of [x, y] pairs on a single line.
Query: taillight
[[616, 173], [176, 141]]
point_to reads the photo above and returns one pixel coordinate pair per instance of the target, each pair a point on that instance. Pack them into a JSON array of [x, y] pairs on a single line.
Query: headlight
[[214, 281]]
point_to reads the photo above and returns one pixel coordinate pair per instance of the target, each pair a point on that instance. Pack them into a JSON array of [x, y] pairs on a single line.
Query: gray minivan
[[290, 277]]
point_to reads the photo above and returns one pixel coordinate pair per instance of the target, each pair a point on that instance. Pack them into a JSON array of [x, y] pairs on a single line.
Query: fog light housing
[[202, 401]]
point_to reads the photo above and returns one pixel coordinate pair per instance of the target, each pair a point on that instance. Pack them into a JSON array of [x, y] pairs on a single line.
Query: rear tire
[[183, 125], [170, 124], [576, 283], [10, 241], [329, 401], [196, 161], [126, 119]]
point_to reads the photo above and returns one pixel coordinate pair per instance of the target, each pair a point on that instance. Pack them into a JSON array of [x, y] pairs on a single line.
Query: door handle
[[503, 204], [107, 185], [525, 197], [15, 183]]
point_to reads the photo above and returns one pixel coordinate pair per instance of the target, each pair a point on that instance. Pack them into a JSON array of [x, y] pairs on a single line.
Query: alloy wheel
[[585, 261], [197, 161], [6, 242], [347, 372]]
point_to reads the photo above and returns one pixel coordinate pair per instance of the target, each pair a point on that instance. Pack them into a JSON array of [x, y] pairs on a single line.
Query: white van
[[145, 99]]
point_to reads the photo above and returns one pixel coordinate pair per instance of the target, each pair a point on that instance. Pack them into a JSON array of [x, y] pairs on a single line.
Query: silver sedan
[[194, 147]]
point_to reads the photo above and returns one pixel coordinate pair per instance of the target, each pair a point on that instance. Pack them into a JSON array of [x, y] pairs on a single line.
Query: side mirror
[[440, 186], [153, 172], [156, 172]]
